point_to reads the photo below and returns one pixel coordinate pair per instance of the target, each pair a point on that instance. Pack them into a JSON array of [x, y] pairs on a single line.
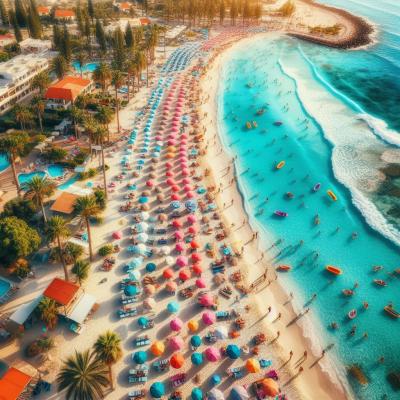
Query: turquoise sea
[[340, 121]]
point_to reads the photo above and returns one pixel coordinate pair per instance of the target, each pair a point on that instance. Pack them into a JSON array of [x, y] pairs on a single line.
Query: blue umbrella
[[215, 379], [197, 394], [173, 307], [157, 390], [197, 358], [233, 351], [131, 290], [142, 321], [195, 341], [143, 199], [140, 357], [151, 267], [140, 161], [175, 204]]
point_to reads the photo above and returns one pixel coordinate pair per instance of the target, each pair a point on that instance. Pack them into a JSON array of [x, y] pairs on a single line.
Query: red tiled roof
[[64, 13], [144, 21], [13, 383], [124, 6], [67, 89], [62, 292], [6, 36], [42, 10]]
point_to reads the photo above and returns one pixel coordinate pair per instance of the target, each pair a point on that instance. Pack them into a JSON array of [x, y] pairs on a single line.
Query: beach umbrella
[[142, 248], [196, 257], [149, 303], [209, 317], [160, 197], [189, 195], [176, 343], [175, 188], [197, 358], [176, 324], [253, 365], [269, 387], [173, 307], [169, 260], [184, 275], [206, 300], [201, 283], [185, 181], [131, 290], [149, 183], [185, 172], [140, 357], [197, 269], [191, 219], [187, 188], [238, 392], [176, 224], [150, 289], [195, 341], [171, 286], [135, 263], [142, 226], [197, 394], [179, 247], [142, 237], [194, 244], [145, 207], [215, 394], [192, 230], [144, 215], [157, 390], [150, 267], [165, 250], [177, 360], [212, 354], [157, 348], [215, 379], [178, 235], [233, 351], [169, 174], [170, 182], [221, 331], [181, 261], [117, 235], [162, 217], [193, 325], [143, 199], [134, 275], [175, 203]]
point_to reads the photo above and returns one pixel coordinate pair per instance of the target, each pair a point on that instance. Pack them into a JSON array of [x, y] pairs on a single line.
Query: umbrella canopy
[[117, 235], [197, 358], [215, 394], [192, 230], [177, 361], [197, 394], [176, 324], [206, 300], [197, 269], [181, 261], [131, 290], [149, 303], [157, 390], [253, 366], [180, 247], [134, 275], [194, 244], [239, 393], [201, 283], [165, 250], [168, 273], [233, 351], [143, 237], [221, 331], [269, 387], [176, 224], [184, 275], [209, 317], [151, 267], [143, 321], [171, 287], [212, 354], [169, 260], [193, 325], [140, 357], [150, 289], [196, 257], [215, 379], [144, 215], [195, 341], [178, 235], [176, 343], [173, 307], [157, 348]]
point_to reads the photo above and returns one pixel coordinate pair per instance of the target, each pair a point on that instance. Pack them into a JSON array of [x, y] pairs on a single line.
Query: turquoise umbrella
[[197, 358], [150, 267], [143, 321], [197, 394], [140, 357], [233, 351], [131, 290], [173, 307], [195, 341], [215, 379], [143, 199], [157, 390]]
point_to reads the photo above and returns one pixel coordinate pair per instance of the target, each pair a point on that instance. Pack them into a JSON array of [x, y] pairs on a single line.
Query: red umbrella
[[191, 219], [168, 273], [201, 283], [179, 247], [175, 196], [192, 229], [178, 235], [170, 181], [175, 188], [194, 244], [196, 257], [177, 361], [176, 224], [197, 269], [189, 195], [169, 174], [184, 275]]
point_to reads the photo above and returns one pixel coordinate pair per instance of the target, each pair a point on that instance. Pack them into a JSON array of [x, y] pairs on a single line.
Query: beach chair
[[141, 341], [128, 299], [137, 379], [226, 292], [222, 315], [149, 325], [218, 269], [236, 372], [126, 314], [178, 380], [211, 337], [160, 365]]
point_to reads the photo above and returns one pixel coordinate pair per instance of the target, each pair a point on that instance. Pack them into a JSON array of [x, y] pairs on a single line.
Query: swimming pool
[[69, 182], [90, 67], [3, 162], [5, 286], [24, 178], [53, 171]]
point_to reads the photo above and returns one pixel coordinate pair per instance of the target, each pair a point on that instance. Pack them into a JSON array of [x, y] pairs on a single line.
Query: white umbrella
[[142, 237], [134, 274], [222, 332], [149, 303], [144, 215], [215, 394], [169, 260], [142, 226], [142, 248], [165, 250], [239, 392]]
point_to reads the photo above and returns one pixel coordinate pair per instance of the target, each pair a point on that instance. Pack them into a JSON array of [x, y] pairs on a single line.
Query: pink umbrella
[[184, 136], [206, 300], [176, 343], [171, 286], [150, 289], [185, 181], [175, 196], [191, 219], [208, 317], [171, 142], [181, 261], [175, 188], [168, 164], [187, 188], [117, 235], [174, 129], [158, 137], [192, 230], [170, 181], [169, 174], [212, 354], [196, 257], [178, 235], [176, 324], [185, 172], [176, 224], [179, 247], [150, 183], [201, 283], [189, 195]]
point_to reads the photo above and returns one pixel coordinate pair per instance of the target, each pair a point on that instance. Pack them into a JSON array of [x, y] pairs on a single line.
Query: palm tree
[[86, 207], [37, 189], [141, 64], [60, 66], [90, 126], [81, 270], [104, 116], [76, 115], [48, 312], [117, 81], [22, 115], [38, 104], [81, 60], [13, 145], [98, 136], [41, 81], [84, 377], [57, 230], [131, 69], [108, 350], [102, 75]]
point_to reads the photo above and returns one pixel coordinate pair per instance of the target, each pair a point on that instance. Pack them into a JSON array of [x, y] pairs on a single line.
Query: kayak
[[333, 270], [380, 282], [284, 268], [280, 164], [332, 195], [348, 292], [391, 311], [248, 125], [316, 187], [255, 125], [352, 314], [281, 213]]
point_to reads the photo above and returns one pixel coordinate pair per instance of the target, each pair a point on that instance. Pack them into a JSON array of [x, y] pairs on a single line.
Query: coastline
[[293, 336]]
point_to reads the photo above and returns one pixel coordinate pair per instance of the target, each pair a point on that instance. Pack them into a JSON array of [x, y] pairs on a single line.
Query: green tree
[[22, 115], [39, 105], [77, 117], [79, 18], [104, 116], [57, 230], [117, 80], [13, 145], [118, 49], [141, 62], [90, 8], [57, 37], [131, 68], [20, 208], [100, 36], [128, 36], [20, 13], [14, 23], [37, 189], [60, 66], [98, 138], [48, 312], [34, 24], [86, 207], [81, 270], [17, 239], [108, 350], [4, 14], [84, 376], [66, 47], [81, 60], [102, 75], [41, 82]]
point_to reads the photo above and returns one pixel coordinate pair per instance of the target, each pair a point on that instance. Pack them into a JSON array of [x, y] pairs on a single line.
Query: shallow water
[[322, 141]]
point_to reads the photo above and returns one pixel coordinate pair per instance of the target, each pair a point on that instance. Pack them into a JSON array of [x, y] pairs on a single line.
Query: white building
[[16, 77], [30, 45]]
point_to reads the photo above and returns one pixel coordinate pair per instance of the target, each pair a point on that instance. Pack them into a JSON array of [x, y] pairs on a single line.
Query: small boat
[[281, 213], [284, 268], [391, 311], [261, 111], [278, 123], [280, 164], [289, 195], [248, 125], [316, 220], [380, 282], [352, 314], [316, 187], [332, 195], [377, 268], [333, 270], [250, 84], [255, 125], [348, 292]]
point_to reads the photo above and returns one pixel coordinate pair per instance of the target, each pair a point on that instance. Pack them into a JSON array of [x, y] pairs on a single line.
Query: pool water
[[68, 183], [90, 67], [24, 178], [4, 287], [55, 170], [3, 162]]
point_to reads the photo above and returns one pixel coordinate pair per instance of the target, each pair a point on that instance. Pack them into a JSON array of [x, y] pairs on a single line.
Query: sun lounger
[[139, 379], [222, 315], [211, 337], [178, 380], [136, 394], [128, 300], [149, 325], [127, 314], [141, 341], [236, 372], [218, 269], [161, 365]]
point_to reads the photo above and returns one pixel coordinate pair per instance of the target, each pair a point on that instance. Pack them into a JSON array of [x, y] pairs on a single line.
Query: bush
[[20, 208], [55, 154], [106, 250], [40, 138], [80, 157], [20, 268], [100, 198], [91, 172]]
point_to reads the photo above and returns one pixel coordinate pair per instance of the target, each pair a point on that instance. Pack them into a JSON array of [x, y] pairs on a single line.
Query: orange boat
[[284, 268], [280, 165], [380, 282], [333, 270], [391, 311]]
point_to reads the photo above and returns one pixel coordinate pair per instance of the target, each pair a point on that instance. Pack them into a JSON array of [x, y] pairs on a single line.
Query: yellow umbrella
[[157, 348], [193, 325], [253, 366]]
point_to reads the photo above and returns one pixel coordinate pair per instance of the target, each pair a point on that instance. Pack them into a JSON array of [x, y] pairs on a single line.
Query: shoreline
[[295, 336]]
